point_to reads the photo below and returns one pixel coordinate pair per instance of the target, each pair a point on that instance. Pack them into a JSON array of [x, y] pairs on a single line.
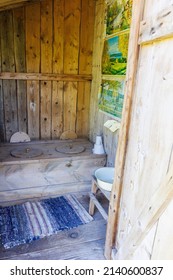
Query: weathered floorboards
[[84, 242]]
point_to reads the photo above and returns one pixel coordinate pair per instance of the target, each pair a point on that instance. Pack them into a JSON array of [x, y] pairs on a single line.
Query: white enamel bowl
[[105, 177]]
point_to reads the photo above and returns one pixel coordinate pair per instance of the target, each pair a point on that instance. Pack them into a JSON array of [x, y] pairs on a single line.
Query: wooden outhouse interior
[[50, 79], [49, 46]]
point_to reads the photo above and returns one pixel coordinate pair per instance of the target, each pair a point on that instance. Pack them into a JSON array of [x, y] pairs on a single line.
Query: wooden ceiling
[[9, 4]]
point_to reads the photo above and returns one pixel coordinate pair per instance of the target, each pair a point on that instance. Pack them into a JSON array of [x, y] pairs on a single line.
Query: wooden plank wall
[[53, 37], [97, 118], [8, 64], [2, 136], [149, 151], [9, 4], [33, 65]]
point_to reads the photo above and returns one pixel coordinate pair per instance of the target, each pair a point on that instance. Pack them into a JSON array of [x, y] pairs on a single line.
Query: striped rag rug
[[30, 221]]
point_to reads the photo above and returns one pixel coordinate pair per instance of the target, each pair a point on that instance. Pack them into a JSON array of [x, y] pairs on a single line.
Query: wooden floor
[[83, 243]]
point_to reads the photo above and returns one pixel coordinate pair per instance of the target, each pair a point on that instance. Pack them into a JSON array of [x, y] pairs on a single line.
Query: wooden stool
[[94, 201]]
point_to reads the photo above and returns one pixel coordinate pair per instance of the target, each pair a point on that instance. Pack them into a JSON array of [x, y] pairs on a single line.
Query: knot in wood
[[73, 235]]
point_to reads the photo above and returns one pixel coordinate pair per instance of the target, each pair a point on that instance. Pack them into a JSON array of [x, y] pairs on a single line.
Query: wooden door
[[141, 203]]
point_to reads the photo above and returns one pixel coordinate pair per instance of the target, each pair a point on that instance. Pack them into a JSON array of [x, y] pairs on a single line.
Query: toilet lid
[[70, 148], [19, 137], [26, 152]]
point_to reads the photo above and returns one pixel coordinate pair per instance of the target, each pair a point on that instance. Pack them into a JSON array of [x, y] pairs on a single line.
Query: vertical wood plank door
[[147, 172]]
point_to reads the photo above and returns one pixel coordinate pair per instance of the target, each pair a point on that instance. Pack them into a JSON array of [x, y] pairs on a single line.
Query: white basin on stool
[[105, 177]]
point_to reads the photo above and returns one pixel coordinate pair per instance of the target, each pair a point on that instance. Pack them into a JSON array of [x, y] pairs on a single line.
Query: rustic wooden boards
[[51, 75], [147, 177], [51, 173], [114, 208], [2, 123], [162, 248], [94, 202], [8, 63], [19, 50], [85, 242], [97, 118], [46, 67], [33, 65], [58, 67], [151, 212], [157, 28], [10, 4], [85, 66], [48, 148], [44, 77]]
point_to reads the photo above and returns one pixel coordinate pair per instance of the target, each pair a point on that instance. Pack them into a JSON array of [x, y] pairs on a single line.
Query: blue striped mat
[[30, 221]]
